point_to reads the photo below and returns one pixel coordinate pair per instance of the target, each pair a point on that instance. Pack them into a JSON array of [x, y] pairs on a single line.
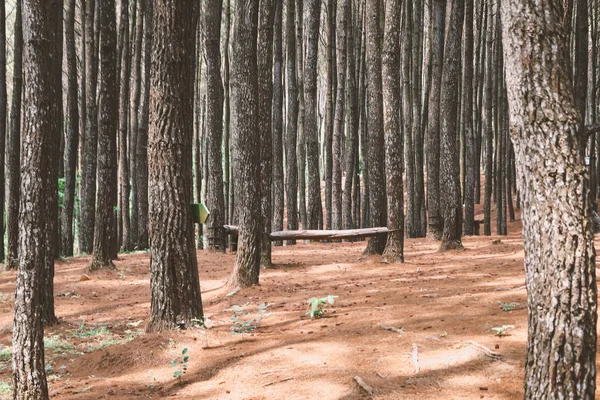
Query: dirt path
[[441, 309]]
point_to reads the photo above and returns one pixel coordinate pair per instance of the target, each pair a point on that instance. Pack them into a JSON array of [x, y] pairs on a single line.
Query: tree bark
[[176, 300], [3, 103], [301, 141], [124, 98], [13, 151], [487, 200], [42, 38], [394, 138], [467, 118], [449, 160], [214, 121], [246, 155], [107, 148], [377, 191], [559, 248], [277, 110]]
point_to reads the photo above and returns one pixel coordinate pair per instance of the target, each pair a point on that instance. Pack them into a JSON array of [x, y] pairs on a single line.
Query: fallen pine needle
[[363, 385], [279, 381]]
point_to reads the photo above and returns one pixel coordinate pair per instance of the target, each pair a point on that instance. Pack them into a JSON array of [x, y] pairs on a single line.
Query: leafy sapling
[[180, 363], [316, 306]]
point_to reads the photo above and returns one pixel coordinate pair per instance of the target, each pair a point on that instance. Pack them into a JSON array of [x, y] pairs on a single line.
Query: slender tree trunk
[[449, 162], [265, 108], [42, 30], [342, 16], [277, 110], [330, 52], [125, 71], [301, 142], [394, 138], [13, 150], [407, 117], [487, 205], [246, 155], [3, 103], [377, 191], [559, 246], [214, 123], [227, 182], [90, 142], [291, 185], [435, 221], [107, 151], [467, 118]]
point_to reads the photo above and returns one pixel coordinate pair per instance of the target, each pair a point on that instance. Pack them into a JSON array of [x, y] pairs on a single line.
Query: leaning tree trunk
[[449, 157], [107, 146], [377, 191], [246, 155], [176, 300], [13, 150], [42, 37], [559, 248], [214, 122], [394, 146]]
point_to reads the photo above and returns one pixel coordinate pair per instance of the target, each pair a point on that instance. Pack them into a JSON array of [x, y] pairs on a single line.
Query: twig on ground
[[391, 328], [279, 381], [487, 351], [363, 385], [515, 288], [415, 357]]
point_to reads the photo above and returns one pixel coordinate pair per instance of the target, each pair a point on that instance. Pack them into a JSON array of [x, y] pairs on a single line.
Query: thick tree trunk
[[394, 138], [13, 150], [278, 191], [449, 157], [42, 58], [246, 155], [559, 249], [435, 221], [107, 148], [90, 141], [214, 122], [265, 108], [377, 191], [291, 135], [176, 300]]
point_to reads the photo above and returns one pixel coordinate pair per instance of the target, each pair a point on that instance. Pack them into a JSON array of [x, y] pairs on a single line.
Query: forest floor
[[441, 307]]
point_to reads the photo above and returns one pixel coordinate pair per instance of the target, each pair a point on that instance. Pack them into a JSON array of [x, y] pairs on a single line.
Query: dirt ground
[[439, 310]]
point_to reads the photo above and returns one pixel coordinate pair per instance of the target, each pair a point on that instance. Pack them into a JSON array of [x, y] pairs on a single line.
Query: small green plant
[[316, 306], [508, 306], [5, 389], [56, 344], [84, 332], [5, 354], [242, 323], [502, 330], [180, 363]]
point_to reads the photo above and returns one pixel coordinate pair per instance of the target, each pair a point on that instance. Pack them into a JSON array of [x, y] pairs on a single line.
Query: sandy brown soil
[[444, 304]]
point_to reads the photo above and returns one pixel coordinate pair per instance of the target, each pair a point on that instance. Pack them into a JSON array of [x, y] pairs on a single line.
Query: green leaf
[[184, 351], [177, 374], [186, 358]]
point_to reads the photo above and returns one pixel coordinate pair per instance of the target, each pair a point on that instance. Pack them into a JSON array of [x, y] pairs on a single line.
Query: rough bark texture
[[90, 139], [377, 191], [176, 300], [330, 31], [3, 102], [435, 222], [107, 137], [277, 150], [265, 107], [13, 150], [246, 154], [407, 117], [449, 155], [301, 141], [314, 208], [559, 249], [227, 182], [42, 36], [215, 200], [291, 130], [487, 199], [125, 72], [467, 120], [343, 11], [394, 146]]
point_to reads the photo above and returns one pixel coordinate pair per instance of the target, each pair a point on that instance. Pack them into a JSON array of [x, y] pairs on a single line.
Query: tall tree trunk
[[142, 138], [124, 97], [291, 135], [467, 118], [277, 150], [227, 182], [394, 138], [13, 150], [246, 155], [176, 300], [559, 248], [265, 108], [107, 148], [301, 142], [330, 52], [134, 120], [342, 16], [42, 30], [72, 135], [487, 199], [435, 219], [449, 162], [377, 187], [90, 140], [407, 117], [3, 102], [214, 122]]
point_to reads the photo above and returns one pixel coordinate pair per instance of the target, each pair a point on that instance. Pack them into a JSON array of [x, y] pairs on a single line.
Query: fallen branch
[[415, 357], [487, 351], [514, 288], [391, 328], [279, 381], [363, 385]]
